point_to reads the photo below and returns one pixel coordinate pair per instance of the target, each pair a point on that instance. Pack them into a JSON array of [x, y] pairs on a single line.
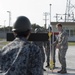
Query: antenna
[[69, 13]]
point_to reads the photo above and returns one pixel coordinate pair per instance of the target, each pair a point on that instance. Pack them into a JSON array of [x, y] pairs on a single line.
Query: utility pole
[[45, 14], [9, 19], [51, 47]]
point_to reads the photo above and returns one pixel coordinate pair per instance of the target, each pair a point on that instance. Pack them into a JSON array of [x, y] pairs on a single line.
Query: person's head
[[59, 26], [22, 27], [50, 29]]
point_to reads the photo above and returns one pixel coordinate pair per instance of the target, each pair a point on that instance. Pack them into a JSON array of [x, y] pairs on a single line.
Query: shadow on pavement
[[49, 72]]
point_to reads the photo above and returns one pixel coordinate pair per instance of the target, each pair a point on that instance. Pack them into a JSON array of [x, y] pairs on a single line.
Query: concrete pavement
[[70, 59]]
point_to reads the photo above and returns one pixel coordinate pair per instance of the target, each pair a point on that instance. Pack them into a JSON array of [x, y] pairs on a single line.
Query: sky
[[33, 9]]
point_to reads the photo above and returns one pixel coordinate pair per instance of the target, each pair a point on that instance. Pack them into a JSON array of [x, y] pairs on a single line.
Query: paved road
[[2, 41], [70, 58]]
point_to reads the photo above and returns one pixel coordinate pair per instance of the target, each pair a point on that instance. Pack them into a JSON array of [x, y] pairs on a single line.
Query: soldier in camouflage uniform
[[62, 45], [20, 57], [52, 49]]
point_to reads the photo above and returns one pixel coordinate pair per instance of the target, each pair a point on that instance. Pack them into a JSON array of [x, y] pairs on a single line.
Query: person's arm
[[3, 58], [55, 42], [6, 57], [36, 62]]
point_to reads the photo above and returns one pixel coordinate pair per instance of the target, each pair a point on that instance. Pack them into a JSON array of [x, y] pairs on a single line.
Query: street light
[[9, 19], [4, 25], [50, 14], [4, 28], [51, 47]]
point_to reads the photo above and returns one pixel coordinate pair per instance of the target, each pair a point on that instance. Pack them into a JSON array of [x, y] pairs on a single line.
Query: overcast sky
[[33, 9]]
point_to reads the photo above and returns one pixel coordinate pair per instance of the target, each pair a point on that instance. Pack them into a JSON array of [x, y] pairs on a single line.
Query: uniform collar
[[21, 38]]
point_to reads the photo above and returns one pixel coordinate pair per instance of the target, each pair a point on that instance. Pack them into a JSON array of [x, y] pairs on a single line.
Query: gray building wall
[[68, 26], [3, 34]]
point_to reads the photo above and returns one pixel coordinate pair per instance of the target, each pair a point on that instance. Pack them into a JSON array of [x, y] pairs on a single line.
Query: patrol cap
[[22, 24]]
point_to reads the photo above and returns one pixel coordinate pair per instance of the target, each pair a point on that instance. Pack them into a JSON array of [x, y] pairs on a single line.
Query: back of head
[[22, 24]]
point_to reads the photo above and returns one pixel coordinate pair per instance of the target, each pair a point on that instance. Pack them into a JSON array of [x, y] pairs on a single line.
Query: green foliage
[[6, 28], [71, 43], [34, 26]]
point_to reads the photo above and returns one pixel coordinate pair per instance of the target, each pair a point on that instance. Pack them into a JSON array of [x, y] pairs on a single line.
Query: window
[[71, 32], [67, 31], [74, 32]]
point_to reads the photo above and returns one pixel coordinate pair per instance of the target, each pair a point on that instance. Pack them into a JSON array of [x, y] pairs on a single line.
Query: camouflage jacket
[[28, 61], [63, 40]]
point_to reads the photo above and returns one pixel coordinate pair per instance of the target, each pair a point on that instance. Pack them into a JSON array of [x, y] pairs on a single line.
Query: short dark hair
[[58, 25]]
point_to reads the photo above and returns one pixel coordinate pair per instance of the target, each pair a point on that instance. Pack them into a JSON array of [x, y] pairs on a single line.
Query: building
[[69, 27]]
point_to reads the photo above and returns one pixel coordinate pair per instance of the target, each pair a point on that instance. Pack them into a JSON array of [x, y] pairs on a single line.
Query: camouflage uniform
[[63, 46], [28, 61], [41, 44]]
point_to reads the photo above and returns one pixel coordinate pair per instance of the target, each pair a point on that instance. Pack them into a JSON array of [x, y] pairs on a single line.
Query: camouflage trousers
[[42, 53], [61, 57], [48, 55]]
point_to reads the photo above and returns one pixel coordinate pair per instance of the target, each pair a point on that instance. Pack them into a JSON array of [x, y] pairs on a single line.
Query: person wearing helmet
[[53, 48], [20, 57]]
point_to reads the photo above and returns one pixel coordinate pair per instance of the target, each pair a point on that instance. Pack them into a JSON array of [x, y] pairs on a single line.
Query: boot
[[62, 71], [59, 71]]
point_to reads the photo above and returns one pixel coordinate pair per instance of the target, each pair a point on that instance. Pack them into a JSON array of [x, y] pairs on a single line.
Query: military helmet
[[38, 30], [22, 24], [50, 28]]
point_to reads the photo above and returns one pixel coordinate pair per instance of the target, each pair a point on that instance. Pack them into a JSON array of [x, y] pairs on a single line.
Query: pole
[[45, 14], [4, 28], [50, 14], [49, 34], [9, 19], [4, 25], [51, 47]]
